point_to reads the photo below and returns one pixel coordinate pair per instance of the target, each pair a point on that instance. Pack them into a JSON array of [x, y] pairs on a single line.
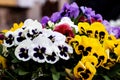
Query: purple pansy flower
[[70, 10], [115, 31], [90, 14], [55, 17], [44, 20]]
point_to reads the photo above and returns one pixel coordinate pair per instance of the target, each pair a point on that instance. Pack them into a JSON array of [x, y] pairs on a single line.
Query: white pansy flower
[[19, 36], [65, 50], [32, 28], [22, 50], [9, 39], [54, 36], [53, 58], [38, 53], [68, 21], [42, 40]]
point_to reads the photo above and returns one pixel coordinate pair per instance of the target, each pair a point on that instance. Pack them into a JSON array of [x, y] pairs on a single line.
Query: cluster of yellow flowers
[[96, 47]]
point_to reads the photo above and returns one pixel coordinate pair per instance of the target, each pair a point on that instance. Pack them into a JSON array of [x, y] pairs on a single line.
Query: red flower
[[65, 29]]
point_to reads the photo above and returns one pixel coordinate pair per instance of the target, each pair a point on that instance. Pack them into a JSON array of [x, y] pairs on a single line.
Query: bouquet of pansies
[[73, 44]]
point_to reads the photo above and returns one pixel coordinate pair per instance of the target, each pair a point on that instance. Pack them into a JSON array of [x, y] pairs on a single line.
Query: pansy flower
[[44, 20], [67, 20], [92, 59], [55, 17], [65, 29], [53, 57], [101, 55], [46, 50], [83, 28], [19, 36], [16, 26], [70, 10], [9, 39], [65, 50], [22, 50], [74, 42], [99, 31], [90, 15], [32, 28], [54, 36], [84, 71], [38, 53]]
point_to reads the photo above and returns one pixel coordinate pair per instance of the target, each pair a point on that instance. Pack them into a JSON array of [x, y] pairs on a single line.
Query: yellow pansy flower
[[84, 71], [92, 59], [83, 27], [99, 31], [101, 56], [16, 26], [90, 70], [78, 68], [75, 41], [2, 62]]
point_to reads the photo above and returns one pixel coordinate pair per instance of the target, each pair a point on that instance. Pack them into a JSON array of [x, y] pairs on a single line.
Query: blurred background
[[12, 11]]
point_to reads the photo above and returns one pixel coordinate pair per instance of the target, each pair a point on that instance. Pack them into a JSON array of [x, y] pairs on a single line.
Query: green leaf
[[106, 77], [22, 72], [15, 60], [55, 74]]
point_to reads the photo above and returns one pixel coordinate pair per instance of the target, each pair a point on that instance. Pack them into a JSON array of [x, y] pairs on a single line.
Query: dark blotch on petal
[[85, 75], [63, 54], [88, 49], [80, 47], [38, 55], [85, 53], [80, 69]]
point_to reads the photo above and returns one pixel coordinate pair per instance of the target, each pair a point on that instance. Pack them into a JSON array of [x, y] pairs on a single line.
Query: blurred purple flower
[[44, 20], [115, 31], [70, 10], [98, 17], [55, 17], [90, 14], [87, 11]]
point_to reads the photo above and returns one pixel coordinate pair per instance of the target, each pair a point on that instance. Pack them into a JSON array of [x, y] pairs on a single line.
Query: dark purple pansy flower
[[44, 20]]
